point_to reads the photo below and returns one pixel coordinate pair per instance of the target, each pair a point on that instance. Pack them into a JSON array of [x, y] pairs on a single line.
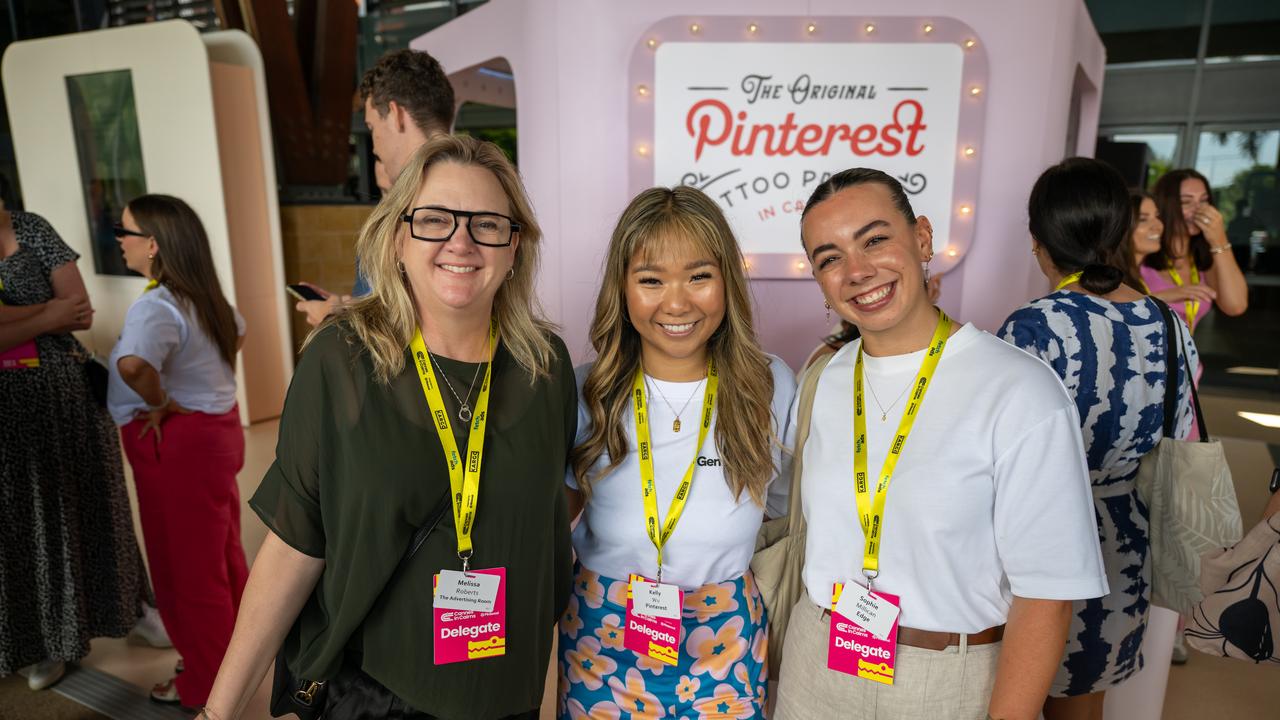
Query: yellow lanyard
[[465, 484], [871, 506], [1193, 306], [151, 285], [647, 484], [1068, 280]]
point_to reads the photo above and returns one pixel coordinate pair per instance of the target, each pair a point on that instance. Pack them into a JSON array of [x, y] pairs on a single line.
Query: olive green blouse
[[359, 468]]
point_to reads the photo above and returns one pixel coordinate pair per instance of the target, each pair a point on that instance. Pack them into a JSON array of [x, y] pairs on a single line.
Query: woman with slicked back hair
[[172, 391], [677, 454], [949, 524], [1107, 341]]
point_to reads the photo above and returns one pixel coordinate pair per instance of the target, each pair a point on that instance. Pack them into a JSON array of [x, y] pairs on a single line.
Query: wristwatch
[[1219, 249]]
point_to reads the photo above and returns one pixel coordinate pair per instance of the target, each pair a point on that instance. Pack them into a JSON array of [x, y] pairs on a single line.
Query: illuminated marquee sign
[[757, 124]]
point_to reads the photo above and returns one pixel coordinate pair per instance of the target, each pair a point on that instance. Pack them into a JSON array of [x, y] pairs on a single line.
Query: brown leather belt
[[933, 640]]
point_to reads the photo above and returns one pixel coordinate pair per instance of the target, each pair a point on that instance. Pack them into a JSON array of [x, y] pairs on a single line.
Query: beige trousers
[[951, 684]]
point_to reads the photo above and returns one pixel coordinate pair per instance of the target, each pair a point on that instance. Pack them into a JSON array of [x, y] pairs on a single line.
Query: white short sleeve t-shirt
[[163, 332], [716, 535], [990, 498]]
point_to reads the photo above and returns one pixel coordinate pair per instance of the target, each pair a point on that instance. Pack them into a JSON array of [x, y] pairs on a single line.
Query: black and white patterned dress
[[1111, 357], [70, 569]]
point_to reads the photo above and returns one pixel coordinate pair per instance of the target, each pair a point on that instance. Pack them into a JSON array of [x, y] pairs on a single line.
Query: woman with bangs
[[675, 464], [449, 357]]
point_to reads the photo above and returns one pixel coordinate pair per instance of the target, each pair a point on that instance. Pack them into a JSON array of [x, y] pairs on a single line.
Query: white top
[[716, 535], [990, 498], [165, 333]]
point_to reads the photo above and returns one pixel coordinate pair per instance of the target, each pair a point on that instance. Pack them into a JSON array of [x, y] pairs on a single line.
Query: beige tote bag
[[1189, 495], [779, 556]]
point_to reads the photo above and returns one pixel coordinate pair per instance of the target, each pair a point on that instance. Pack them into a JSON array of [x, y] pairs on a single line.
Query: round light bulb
[[652, 43], [695, 28], [870, 28], [642, 90], [800, 265], [969, 151], [968, 44], [928, 28], [753, 28], [965, 209], [642, 150], [975, 91], [952, 251], [811, 28]]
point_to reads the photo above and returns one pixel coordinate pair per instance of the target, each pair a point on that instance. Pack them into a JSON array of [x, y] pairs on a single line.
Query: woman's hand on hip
[[156, 418]]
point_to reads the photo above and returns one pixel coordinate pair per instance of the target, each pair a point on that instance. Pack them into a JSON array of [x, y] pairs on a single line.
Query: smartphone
[[303, 292]]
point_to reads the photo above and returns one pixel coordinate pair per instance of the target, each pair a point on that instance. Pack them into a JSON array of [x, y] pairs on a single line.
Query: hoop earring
[[511, 272], [400, 266], [926, 275], [828, 306]]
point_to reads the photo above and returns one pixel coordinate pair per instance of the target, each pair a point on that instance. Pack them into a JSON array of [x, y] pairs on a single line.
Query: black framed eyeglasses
[[437, 224], [121, 231]]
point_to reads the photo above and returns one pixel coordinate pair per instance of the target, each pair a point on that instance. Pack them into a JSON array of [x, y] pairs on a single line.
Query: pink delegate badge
[[650, 635], [21, 357], [853, 650], [462, 635]]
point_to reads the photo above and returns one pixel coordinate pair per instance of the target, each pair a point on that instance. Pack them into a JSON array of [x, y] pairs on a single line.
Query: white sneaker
[[1179, 656], [43, 674], [150, 630]]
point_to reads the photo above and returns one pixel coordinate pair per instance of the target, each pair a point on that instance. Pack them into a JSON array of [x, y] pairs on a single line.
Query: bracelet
[[1220, 249], [207, 714], [163, 403]]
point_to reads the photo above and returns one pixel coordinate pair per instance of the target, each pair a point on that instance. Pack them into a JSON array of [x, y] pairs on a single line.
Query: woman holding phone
[[1194, 270]]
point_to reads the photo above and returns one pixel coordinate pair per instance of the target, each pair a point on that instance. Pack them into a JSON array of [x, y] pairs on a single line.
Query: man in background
[[407, 101]]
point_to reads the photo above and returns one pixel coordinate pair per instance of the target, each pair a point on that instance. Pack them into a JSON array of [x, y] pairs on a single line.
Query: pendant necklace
[[464, 406], [675, 426], [884, 413]]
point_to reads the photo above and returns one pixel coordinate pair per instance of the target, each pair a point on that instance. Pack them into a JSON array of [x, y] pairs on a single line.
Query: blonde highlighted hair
[[654, 220], [385, 320]]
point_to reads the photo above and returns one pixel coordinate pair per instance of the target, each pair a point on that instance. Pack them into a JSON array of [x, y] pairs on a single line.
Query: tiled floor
[[1205, 687]]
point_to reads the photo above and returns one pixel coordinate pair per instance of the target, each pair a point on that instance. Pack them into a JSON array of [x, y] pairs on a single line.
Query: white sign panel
[[758, 126]]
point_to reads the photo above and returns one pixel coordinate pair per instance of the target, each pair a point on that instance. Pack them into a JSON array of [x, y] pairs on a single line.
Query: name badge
[[469, 613], [653, 620], [21, 357], [853, 648]]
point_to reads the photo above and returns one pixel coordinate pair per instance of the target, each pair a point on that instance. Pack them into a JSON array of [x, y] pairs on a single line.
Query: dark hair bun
[[1101, 279]]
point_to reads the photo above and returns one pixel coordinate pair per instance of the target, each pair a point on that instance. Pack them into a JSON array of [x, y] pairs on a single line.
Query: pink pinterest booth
[[755, 102]]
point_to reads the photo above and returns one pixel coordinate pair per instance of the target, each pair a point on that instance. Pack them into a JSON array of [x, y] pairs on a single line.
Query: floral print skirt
[[722, 672]]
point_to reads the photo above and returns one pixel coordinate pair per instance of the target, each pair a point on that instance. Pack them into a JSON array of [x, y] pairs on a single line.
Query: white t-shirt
[[716, 535], [164, 333], [990, 497]]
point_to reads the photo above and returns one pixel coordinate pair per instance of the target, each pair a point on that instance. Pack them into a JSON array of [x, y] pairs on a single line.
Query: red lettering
[[706, 112], [808, 134], [711, 123], [914, 128], [863, 135]]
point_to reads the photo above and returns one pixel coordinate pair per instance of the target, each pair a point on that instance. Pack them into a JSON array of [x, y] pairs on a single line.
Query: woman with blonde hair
[[443, 395], [680, 415]]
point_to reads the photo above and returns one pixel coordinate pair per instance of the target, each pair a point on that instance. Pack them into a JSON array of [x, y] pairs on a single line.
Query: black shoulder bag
[[306, 698]]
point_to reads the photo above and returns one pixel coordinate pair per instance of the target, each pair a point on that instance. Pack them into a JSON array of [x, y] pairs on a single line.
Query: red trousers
[[190, 508]]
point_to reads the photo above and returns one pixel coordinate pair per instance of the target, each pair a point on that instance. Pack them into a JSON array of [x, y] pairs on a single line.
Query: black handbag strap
[[1173, 338], [420, 537]]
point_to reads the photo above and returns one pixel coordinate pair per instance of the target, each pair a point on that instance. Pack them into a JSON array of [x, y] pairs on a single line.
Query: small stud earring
[[828, 306], [151, 256], [926, 275]]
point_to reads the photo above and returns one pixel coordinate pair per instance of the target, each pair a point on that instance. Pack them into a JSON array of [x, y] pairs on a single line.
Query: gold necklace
[[675, 426]]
